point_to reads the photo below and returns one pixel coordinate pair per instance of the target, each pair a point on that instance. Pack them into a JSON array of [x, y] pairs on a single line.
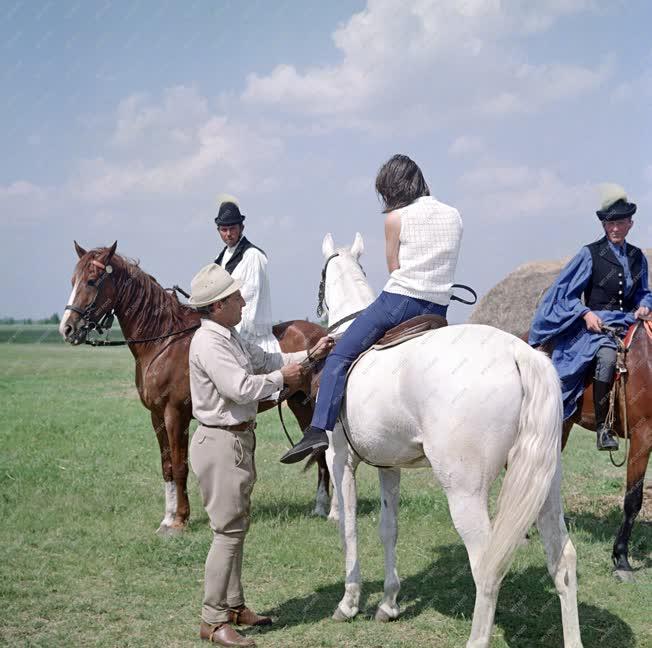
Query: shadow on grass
[[528, 610], [604, 528], [290, 510]]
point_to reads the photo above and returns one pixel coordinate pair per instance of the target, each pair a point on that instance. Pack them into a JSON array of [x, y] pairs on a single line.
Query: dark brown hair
[[400, 182]]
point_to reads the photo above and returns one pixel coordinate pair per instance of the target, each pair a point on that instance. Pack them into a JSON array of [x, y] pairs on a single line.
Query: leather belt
[[239, 427]]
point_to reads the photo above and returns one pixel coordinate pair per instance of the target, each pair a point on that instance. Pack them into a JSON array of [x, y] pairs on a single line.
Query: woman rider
[[422, 242]]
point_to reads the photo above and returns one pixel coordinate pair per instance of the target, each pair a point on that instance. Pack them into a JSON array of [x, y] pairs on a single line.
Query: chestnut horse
[[158, 330], [639, 423]]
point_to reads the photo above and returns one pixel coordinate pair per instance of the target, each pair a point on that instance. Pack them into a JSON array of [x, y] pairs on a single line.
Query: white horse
[[464, 400]]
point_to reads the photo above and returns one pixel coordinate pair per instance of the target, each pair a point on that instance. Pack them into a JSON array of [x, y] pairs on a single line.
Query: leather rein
[[105, 323]]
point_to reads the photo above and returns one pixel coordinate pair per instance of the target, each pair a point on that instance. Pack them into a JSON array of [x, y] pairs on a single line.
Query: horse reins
[[619, 390], [106, 321], [321, 296]]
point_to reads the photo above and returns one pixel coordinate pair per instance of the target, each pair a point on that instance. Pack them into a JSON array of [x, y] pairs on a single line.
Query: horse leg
[[639, 454], [322, 500], [565, 432], [344, 466], [302, 410], [562, 560], [390, 486], [166, 467], [334, 513], [177, 429], [468, 510]]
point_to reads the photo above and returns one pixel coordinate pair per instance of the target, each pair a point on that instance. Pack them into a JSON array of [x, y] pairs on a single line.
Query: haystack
[[510, 304]]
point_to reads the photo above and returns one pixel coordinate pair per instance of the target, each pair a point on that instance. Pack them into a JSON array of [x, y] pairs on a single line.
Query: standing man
[[606, 283], [228, 376], [247, 263]]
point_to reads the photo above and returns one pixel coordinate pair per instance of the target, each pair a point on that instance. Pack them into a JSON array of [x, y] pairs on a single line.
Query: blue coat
[[559, 316]]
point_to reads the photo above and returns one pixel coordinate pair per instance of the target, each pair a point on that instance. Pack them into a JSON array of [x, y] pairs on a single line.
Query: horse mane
[[152, 309]]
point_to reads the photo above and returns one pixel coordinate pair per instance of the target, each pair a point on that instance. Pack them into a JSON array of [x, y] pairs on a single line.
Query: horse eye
[[91, 283]]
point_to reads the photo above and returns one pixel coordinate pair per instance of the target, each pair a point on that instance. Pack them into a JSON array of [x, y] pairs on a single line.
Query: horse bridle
[[106, 320], [321, 297]]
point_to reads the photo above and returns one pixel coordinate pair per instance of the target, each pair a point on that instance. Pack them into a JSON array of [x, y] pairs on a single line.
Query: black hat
[[229, 214], [614, 204]]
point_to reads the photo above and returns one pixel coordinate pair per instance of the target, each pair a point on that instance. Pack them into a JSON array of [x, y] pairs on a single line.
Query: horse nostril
[[67, 331]]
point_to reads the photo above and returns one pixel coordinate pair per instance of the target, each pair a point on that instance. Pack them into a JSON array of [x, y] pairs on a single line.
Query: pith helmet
[[211, 284]]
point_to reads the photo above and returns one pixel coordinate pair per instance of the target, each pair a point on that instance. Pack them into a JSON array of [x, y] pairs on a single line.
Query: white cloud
[[24, 202], [451, 57], [21, 188], [507, 192], [138, 116], [466, 145], [187, 145]]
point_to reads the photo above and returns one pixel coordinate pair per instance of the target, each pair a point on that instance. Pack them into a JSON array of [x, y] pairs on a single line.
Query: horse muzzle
[[74, 332]]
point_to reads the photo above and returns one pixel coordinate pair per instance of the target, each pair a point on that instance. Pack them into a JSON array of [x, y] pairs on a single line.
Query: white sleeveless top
[[430, 238]]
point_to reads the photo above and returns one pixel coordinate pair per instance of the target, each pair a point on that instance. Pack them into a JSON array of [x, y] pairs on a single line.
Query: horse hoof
[[624, 576], [335, 519], [339, 616], [166, 531], [383, 617], [320, 513]]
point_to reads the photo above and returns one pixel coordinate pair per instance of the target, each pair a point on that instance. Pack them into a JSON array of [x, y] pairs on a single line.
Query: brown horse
[[638, 379], [638, 404], [105, 283]]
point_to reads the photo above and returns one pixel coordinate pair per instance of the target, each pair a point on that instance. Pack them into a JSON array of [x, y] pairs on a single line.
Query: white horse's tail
[[531, 462]]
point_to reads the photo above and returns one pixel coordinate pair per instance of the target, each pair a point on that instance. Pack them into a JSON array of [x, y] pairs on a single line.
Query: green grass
[[42, 334], [81, 496]]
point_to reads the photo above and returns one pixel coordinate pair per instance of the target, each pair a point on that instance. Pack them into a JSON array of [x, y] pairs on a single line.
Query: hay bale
[[511, 303]]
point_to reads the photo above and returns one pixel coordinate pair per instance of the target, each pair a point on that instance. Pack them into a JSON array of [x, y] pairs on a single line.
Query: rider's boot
[[313, 439], [606, 440]]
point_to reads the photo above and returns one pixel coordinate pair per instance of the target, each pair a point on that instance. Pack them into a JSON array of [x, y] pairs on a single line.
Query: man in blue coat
[[604, 284]]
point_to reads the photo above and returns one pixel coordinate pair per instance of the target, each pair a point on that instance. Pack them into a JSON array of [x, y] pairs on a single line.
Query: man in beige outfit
[[228, 376]]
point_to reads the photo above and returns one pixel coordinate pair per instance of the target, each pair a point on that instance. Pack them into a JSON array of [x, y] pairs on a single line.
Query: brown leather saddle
[[405, 331]]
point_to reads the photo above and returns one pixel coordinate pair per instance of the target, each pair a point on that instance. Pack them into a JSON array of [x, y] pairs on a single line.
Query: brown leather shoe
[[244, 616], [223, 634]]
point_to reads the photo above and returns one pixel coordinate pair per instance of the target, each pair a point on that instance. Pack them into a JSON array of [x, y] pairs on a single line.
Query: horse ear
[[358, 246], [111, 252], [328, 245], [79, 249]]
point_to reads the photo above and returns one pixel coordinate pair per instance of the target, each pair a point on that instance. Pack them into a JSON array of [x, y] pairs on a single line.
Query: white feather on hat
[[610, 193], [225, 197]]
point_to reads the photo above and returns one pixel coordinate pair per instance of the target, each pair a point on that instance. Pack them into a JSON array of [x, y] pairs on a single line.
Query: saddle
[[405, 331]]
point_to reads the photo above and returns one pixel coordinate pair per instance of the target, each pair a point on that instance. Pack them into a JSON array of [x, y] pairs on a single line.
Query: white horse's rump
[[466, 399]]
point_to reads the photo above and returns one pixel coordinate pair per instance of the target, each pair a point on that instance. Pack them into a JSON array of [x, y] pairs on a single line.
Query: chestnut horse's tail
[[531, 462]]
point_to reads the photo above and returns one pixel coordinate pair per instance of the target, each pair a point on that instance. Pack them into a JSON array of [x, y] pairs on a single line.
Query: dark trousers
[[389, 310], [605, 364]]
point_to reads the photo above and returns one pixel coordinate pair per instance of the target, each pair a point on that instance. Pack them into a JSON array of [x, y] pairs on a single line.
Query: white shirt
[[256, 324], [430, 237], [228, 375]]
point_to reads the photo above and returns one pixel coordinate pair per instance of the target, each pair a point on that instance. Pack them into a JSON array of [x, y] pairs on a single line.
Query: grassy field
[[81, 496], [41, 334]]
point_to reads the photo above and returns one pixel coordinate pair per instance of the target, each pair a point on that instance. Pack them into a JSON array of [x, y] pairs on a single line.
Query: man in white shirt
[[247, 263], [228, 376]]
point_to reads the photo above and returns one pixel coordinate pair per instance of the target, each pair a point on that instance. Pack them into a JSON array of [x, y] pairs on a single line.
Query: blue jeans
[[389, 310]]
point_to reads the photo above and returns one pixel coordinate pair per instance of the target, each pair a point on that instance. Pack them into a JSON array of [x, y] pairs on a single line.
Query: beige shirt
[[228, 376]]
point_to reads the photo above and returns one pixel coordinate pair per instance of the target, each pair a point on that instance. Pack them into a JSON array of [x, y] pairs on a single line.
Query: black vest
[[243, 245], [606, 289]]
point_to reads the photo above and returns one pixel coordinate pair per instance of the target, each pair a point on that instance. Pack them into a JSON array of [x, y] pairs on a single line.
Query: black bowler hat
[[614, 204], [229, 212]]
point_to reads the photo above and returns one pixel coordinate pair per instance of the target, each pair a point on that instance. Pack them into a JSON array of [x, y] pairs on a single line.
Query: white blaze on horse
[[464, 400]]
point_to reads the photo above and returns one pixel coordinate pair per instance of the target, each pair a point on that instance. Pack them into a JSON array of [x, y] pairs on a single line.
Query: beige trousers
[[224, 464]]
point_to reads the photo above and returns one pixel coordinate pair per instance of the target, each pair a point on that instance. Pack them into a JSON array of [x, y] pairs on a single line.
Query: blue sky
[[125, 120]]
